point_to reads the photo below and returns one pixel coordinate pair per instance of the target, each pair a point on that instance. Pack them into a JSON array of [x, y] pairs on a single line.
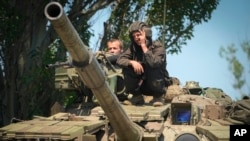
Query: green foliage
[[246, 48], [69, 97], [28, 42], [121, 17], [82, 27], [39, 84], [181, 18], [11, 24], [25, 49], [236, 66]]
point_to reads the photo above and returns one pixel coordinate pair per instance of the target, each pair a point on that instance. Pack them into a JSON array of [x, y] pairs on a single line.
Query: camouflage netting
[[218, 95], [173, 90], [241, 111]]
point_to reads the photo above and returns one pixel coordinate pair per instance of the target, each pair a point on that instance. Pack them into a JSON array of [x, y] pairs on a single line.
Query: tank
[[98, 114]]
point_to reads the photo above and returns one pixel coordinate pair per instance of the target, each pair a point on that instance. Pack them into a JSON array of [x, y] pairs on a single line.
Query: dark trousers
[[153, 82]]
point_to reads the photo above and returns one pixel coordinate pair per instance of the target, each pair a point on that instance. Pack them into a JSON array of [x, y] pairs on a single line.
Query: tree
[[28, 42], [28, 88], [181, 18], [236, 66]]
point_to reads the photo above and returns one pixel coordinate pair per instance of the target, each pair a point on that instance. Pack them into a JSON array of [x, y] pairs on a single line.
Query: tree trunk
[[22, 60]]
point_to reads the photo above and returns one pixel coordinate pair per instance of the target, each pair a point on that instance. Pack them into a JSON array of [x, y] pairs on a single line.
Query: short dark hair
[[114, 40]]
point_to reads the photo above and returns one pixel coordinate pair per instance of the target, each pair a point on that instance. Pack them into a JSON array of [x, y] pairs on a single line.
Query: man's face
[[136, 37], [114, 47]]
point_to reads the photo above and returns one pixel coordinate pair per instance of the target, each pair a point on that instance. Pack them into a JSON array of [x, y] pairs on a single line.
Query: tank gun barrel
[[91, 74]]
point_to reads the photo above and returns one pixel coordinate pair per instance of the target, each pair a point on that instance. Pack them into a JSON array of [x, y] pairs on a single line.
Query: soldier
[[115, 46], [144, 66], [114, 49]]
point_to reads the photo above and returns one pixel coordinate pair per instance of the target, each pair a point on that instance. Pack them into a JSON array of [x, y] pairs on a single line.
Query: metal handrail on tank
[[91, 74]]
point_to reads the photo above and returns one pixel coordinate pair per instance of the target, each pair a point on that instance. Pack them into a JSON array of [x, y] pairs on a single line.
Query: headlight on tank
[[187, 137]]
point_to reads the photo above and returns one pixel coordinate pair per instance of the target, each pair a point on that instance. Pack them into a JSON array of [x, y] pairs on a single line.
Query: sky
[[199, 60]]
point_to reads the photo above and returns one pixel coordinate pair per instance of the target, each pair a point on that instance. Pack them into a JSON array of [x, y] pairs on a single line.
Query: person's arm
[[124, 58], [155, 57], [113, 58], [143, 41]]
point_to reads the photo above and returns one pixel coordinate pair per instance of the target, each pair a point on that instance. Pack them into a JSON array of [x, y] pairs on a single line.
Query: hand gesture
[[142, 37]]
